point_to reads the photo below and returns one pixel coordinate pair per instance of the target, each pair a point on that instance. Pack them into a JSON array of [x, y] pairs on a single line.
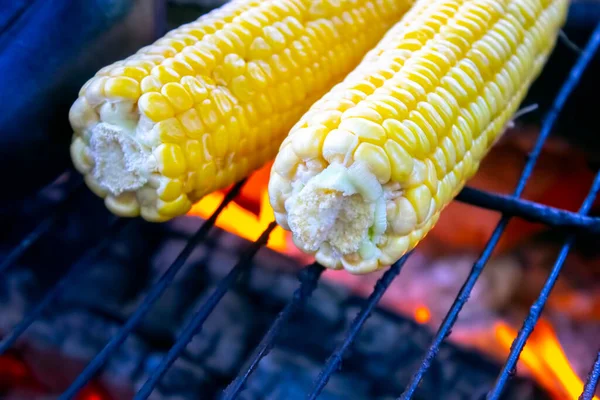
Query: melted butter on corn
[[212, 101], [364, 175]]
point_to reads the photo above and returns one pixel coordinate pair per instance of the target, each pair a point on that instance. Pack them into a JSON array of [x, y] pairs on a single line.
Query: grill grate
[[509, 206]]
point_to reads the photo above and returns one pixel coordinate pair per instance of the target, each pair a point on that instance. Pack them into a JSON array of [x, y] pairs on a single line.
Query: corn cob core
[[211, 101], [413, 122]]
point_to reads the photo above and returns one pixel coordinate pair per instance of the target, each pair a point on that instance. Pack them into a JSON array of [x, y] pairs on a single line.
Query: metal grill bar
[[536, 309], [547, 125], [334, 361], [309, 278], [41, 229], [73, 273], [195, 325], [153, 295], [592, 381], [529, 210]]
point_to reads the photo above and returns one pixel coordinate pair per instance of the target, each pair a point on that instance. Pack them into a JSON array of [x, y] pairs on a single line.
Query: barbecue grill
[[509, 207]]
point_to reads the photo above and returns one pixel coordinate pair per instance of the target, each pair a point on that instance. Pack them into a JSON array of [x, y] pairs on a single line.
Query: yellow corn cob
[[364, 175], [211, 101]]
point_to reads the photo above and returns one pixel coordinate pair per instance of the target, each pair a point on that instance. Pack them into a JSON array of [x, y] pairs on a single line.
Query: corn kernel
[[339, 145], [376, 159], [155, 106], [170, 131], [400, 160], [366, 130], [150, 84], [170, 160], [179, 206], [165, 74], [169, 189], [191, 122], [179, 98], [194, 154], [307, 143]]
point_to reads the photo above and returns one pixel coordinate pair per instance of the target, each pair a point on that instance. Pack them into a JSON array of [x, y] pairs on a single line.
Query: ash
[[84, 318]]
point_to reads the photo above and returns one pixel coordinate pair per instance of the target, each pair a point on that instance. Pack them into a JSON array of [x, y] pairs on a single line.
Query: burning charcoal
[[289, 376], [183, 381], [16, 292], [224, 338]]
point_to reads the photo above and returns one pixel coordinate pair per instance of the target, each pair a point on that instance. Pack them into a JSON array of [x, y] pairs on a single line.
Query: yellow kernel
[[155, 106], [328, 118], [377, 160], [286, 162], [195, 88], [260, 49], [170, 131], [395, 248], [339, 145], [169, 189], [403, 217], [221, 142], [150, 84], [165, 74], [263, 104], [191, 122], [223, 101], [449, 151], [281, 69], [284, 94], [179, 206], [401, 162], [440, 162], [191, 58], [194, 154], [206, 179], [366, 130], [233, 66], [307, 142], [257, 76], [240, 86], [136, 73], [94, 93], [363, 112], [401, 134], [274, 38], [179, 98], [422, 140], [431, 178], [209, 115], [420, 198], [170, 160], [180, 67], [419, 120]]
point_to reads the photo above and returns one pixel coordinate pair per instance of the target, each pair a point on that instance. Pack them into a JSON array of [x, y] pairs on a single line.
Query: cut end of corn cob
[[211, 101], [413, 122]]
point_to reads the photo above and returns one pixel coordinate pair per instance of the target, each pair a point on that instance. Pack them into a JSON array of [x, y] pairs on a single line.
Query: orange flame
[[242, 222], [237, 217], [545, 358]]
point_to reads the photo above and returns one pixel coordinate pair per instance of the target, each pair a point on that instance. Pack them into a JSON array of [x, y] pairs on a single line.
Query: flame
[[237, 218], [422, 314], [545, 358]]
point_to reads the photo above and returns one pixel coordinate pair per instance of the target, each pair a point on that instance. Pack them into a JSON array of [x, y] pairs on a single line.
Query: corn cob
[[365, 173], [211, 101]]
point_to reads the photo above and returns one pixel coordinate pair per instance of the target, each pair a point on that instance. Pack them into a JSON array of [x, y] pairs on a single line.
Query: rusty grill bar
[[508, 206]]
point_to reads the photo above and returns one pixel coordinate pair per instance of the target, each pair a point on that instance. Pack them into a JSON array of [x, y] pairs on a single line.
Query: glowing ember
[[545, 358], [422, 314]]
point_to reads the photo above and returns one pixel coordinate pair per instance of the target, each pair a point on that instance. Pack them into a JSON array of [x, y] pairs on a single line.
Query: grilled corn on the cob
[[364, 175], [211, 101]]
